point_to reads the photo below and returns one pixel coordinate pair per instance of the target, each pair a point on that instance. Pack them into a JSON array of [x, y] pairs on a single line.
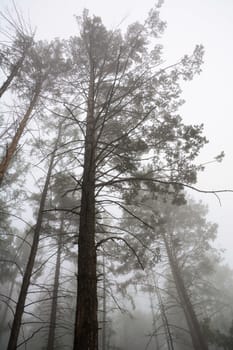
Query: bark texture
[[86, 323]]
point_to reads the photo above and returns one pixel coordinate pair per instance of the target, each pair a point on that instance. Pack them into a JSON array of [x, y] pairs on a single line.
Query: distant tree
[[216, 337], [37, 77], [184, 235], [14, 49], [15, 329], [187, 236], [10, 267], [198, 339], [53, 314], [65, 221], [154, 290]]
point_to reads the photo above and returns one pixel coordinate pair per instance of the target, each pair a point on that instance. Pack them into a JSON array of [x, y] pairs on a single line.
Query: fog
[[116, 185]]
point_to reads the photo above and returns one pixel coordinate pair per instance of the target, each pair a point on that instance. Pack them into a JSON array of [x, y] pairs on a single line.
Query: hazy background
[[209, 97]]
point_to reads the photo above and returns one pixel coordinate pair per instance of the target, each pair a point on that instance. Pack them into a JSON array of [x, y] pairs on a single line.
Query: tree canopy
[[96, 119]]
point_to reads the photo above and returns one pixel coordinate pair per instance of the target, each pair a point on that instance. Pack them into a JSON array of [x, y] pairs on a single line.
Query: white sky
[[209, 97]]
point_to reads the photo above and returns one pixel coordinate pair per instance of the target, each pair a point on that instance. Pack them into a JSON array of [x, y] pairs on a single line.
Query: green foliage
[[42, 67], [130, 91], [216, 337], [110, 93]]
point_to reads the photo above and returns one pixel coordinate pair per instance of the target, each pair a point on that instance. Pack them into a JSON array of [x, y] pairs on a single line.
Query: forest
[[102, 243]]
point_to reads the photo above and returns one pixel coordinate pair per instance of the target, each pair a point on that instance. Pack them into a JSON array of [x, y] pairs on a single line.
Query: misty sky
[[209, 97]]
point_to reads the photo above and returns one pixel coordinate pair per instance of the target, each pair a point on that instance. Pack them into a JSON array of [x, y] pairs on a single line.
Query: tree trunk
[[86, 323], [10, 151], [12, 344], [14, 70], [53, 315], [166, 327], [197, 337], [104, 318], [154, 322]]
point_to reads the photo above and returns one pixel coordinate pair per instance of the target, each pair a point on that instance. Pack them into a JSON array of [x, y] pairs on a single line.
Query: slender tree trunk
[[165, 322], [86, 323], [53, 315], [197, 337], [14, 71], [12, 345], [104, 319], [10, 151], [154, 322]]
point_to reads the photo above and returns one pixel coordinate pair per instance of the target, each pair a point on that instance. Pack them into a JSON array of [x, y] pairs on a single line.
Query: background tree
[[14, 49], [12, 344], [35, 80]]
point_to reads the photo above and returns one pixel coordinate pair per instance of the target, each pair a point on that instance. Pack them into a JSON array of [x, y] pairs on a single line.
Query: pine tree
[[130, 108]]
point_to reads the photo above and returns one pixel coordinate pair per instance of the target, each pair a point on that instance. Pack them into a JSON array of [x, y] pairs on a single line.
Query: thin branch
[[31, 336], [113, 238], [13, 262], [144, 179]]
